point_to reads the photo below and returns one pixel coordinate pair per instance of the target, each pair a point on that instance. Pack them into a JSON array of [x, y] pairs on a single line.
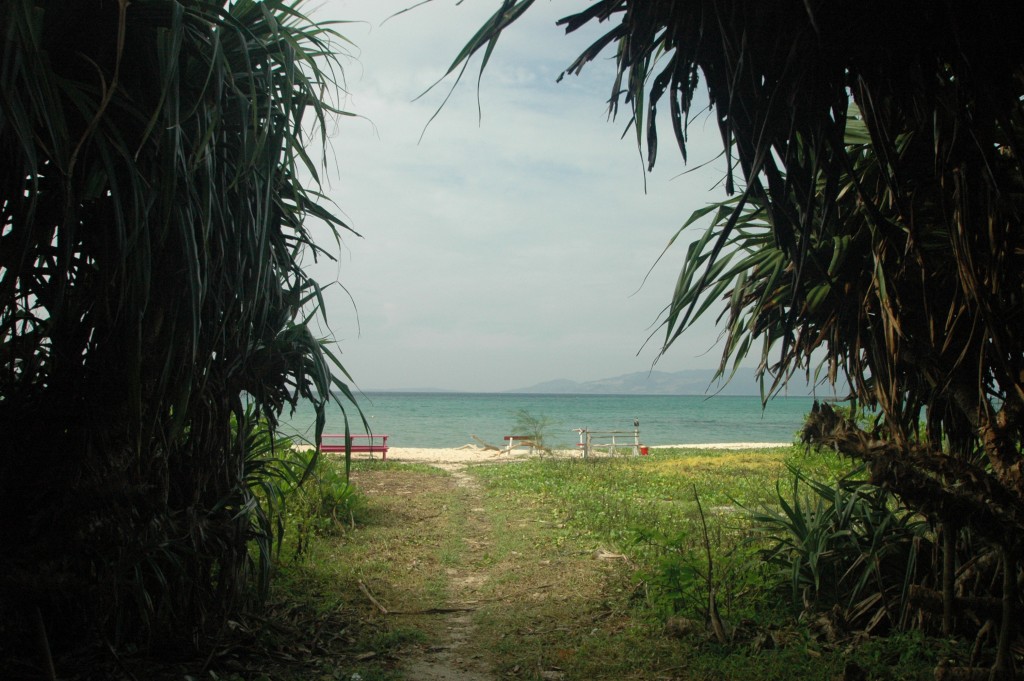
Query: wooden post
[[636, 436]]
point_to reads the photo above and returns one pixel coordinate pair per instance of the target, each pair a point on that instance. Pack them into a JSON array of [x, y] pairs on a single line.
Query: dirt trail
[[474, 587], [451, 659]]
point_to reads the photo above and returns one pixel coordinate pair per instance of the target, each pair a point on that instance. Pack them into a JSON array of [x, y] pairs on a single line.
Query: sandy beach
[[474, 454]]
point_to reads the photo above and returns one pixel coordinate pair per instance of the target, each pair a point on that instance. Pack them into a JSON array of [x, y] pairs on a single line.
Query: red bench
[[374, 443]]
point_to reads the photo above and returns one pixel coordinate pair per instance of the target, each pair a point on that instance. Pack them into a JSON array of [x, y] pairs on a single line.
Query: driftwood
[[486, 445]]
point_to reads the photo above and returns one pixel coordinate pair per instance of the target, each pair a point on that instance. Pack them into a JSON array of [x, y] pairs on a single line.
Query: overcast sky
[[501, 251]]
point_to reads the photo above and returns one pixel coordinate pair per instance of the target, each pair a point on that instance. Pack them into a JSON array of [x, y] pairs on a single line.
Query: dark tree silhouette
[[875, 153], [153, 308]]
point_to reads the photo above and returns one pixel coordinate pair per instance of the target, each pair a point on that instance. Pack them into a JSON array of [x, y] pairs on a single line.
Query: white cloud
[[502, 252]]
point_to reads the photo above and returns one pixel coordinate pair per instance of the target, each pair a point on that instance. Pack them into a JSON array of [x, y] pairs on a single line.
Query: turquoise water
[[448, 419]]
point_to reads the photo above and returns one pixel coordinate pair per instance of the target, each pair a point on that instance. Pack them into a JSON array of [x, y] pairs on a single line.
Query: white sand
[[474, 454], [727, 445]]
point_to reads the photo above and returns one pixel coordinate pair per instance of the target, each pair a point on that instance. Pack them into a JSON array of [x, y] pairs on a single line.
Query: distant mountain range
[[687, 382]]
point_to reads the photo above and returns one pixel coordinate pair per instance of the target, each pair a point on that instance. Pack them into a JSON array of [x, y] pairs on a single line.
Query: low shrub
[[322, 501]]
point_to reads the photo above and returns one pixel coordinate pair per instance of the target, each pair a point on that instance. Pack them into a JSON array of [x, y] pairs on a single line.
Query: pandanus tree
[[874, 153], [154, 204]]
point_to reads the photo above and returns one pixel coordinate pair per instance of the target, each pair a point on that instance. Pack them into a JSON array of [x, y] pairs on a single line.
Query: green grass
[[646, 507], [526, 548], [617, 498]]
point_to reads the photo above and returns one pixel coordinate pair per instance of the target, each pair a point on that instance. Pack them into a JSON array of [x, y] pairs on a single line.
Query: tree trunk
[[948, 576], [1003, 668]]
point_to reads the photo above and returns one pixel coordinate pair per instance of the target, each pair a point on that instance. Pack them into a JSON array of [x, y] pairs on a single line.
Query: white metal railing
[[591, 440]]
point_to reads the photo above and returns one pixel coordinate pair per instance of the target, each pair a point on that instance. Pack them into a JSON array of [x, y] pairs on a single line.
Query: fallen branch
[[43, 641], [458, 608], [931, 600], [430, 611], [515, 593], [366, 592], [946, 672]]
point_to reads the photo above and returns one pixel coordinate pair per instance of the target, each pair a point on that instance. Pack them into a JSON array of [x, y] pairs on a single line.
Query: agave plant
[[152, 225], [846, 545]]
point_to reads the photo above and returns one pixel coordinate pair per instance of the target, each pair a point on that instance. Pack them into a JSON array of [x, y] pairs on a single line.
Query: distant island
[[686, 382]]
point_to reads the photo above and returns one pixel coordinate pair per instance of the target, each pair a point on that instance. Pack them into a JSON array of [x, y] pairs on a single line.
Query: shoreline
[[474, 454]]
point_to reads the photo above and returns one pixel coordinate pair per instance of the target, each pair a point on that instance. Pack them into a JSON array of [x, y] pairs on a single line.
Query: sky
[[507, 245]]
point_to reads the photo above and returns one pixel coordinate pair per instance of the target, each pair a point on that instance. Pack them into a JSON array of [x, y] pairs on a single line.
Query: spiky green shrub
[[152, 226], [847, 544]]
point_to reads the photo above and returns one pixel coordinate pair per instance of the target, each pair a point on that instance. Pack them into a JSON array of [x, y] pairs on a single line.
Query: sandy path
[[449, 659]]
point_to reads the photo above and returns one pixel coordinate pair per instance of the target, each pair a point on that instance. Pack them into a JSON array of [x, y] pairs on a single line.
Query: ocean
[[451, 419]]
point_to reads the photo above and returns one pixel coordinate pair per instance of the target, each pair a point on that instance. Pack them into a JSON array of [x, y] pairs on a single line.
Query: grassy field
[[553, 569]]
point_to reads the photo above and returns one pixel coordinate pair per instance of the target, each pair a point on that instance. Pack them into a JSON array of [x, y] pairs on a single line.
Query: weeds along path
[[469, 586]]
